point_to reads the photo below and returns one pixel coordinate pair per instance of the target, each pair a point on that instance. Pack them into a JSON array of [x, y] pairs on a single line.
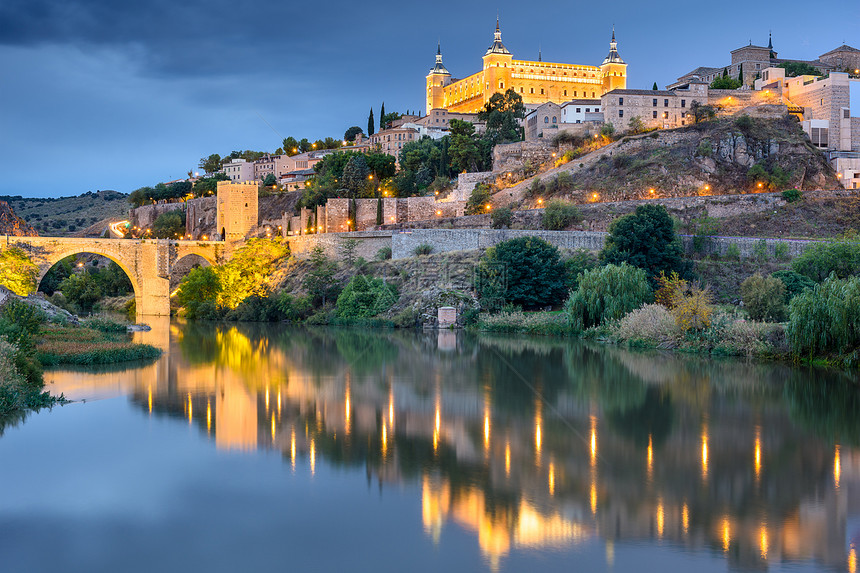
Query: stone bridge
[[147, 262]]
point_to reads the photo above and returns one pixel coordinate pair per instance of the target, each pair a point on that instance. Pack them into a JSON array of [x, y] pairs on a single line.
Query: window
[[501, 85], [654, 114], [554, 119], [587, 110], [541, 91], [819, 136], [654, 101], [620, 113], [521, 90], [683, 104], [621, 101], [531, 90], [579, 110], [565, 93], [665, 115], [666, 102], [683, 114], [546, 119]]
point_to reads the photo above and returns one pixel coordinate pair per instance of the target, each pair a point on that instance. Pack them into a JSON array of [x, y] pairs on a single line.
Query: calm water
[[251, 448]]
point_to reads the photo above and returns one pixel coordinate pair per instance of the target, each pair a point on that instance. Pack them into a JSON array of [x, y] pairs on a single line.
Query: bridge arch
[[50, 259]]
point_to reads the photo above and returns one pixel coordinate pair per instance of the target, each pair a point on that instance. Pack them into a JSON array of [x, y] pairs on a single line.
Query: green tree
[[210, 164], [526, 271], [764, 297], [305, 145], [701, 112], [795, 283], [795, 69], [501, 114], [478, 200], [364, 297], [654, 87], [725, 83], [607, 293], [825, 319], [56, 275], [840, 257], [646, 239], [17, 272], [250, 271], [355, 176], [741, 74], [370, 123], [464, 150], [82, 290], [270, 180], [389, 118], [169, 225], [351, 133], [319, 279], [559, 215], [382, 124], [198, 292], [291, 146]]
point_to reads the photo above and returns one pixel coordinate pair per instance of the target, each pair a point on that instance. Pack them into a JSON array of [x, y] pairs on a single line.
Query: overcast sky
[[101, 94]]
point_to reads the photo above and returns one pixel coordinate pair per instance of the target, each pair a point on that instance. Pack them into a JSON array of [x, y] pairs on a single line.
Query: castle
[[536, 82]]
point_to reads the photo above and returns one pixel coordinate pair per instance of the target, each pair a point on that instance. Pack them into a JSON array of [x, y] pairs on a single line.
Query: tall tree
[[741, 74], [355, 175], [501, 114], [382, 117], [654, 87], [291, 145], [464, 150], [210, 164], [370, 123], [351, 133]]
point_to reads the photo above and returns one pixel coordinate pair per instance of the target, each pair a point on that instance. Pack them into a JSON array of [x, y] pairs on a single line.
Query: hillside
[[65, 216], [12, 224], [721, 157]]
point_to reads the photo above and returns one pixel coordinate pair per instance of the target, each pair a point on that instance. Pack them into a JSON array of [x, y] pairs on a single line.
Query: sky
[[102, 94]]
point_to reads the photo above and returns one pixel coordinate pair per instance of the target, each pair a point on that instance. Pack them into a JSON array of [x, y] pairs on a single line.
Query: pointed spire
[[540, 58], [613, 57], [770, 40], [439, 68], [497, 47]]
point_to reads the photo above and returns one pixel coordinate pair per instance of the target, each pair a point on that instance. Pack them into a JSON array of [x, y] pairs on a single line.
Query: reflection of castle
[[605, 455]]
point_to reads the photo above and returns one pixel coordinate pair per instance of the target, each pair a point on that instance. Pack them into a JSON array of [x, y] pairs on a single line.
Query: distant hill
[[64, 216]]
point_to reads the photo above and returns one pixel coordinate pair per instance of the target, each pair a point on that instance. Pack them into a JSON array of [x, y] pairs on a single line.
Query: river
[[254, 447]]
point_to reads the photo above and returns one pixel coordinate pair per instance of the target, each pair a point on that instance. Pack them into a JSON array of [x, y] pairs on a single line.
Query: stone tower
[[437, 79], [237, 210], [497, 66], [613, 69]]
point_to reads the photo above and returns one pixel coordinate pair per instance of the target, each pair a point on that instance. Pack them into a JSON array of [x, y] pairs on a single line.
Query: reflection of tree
[[829, 407], [652, 417], [364, 352]]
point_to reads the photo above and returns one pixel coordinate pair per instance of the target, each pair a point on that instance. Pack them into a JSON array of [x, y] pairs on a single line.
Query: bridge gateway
[[147, 262]]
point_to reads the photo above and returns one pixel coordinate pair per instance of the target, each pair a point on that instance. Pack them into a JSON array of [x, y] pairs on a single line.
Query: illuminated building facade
[[536, 82]]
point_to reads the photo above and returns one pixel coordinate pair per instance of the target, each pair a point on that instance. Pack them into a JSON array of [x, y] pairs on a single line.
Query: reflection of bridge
[[147, 262]]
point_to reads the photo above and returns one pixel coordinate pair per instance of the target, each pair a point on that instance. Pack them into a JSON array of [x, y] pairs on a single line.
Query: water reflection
[[753, 462]]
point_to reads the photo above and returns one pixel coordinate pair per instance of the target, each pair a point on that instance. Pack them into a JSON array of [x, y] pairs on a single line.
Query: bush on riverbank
[[825, 320], [526, 272], [536, 323], [605, 294]]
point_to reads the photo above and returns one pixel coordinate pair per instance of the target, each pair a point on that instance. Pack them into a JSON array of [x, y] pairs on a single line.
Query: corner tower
[[613, 70], [497, 66], [437, 79]]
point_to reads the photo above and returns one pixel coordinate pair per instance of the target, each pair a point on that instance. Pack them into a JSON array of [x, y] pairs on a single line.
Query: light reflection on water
[[742, 462]]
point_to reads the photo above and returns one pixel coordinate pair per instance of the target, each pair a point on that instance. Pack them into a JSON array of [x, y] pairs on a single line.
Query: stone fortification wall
[[513, 156], [144, 216], [466, 183], [444, 240], [200, 217], [369, 243]]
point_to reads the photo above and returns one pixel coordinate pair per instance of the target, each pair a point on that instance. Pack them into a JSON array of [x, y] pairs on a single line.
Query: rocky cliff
[[12, 224]]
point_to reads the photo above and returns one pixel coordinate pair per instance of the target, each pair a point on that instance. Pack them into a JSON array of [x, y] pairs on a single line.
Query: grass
[[540, 323], [66, 345]]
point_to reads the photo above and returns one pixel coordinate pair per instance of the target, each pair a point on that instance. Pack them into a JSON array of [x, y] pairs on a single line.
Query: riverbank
[[108, 344]]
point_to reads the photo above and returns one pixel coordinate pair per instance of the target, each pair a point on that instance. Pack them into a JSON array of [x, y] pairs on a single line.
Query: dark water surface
[[253, 448]]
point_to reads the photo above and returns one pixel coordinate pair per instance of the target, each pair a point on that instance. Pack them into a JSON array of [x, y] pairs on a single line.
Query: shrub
[[733, 252], [652, 323], [104, 324], [526, 271], [169, 225], [319, 279], [383, 254], [646, 239], [364, 297], [478, 200], [501, 218], [692, 308], [536, 188], [826, 318], [795, 283], [792, 195], [294, 308], [558, 215], [780, 251], [535, 323], [705, 149], [200, 287], [347, 249], [840, 256], [764, 298], [667, 288], [423, 249], [607, 293]]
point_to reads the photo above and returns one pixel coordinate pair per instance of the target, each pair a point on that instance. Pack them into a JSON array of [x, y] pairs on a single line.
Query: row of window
[[654, 102]]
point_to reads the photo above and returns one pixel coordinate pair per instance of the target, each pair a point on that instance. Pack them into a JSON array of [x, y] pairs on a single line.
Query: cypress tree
[[370, 123], [725, 72], [382, 117], [654, 87], [379, 211], [741, 74]]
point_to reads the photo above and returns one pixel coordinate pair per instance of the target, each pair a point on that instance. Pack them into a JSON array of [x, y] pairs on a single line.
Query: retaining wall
[[369, 243]]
